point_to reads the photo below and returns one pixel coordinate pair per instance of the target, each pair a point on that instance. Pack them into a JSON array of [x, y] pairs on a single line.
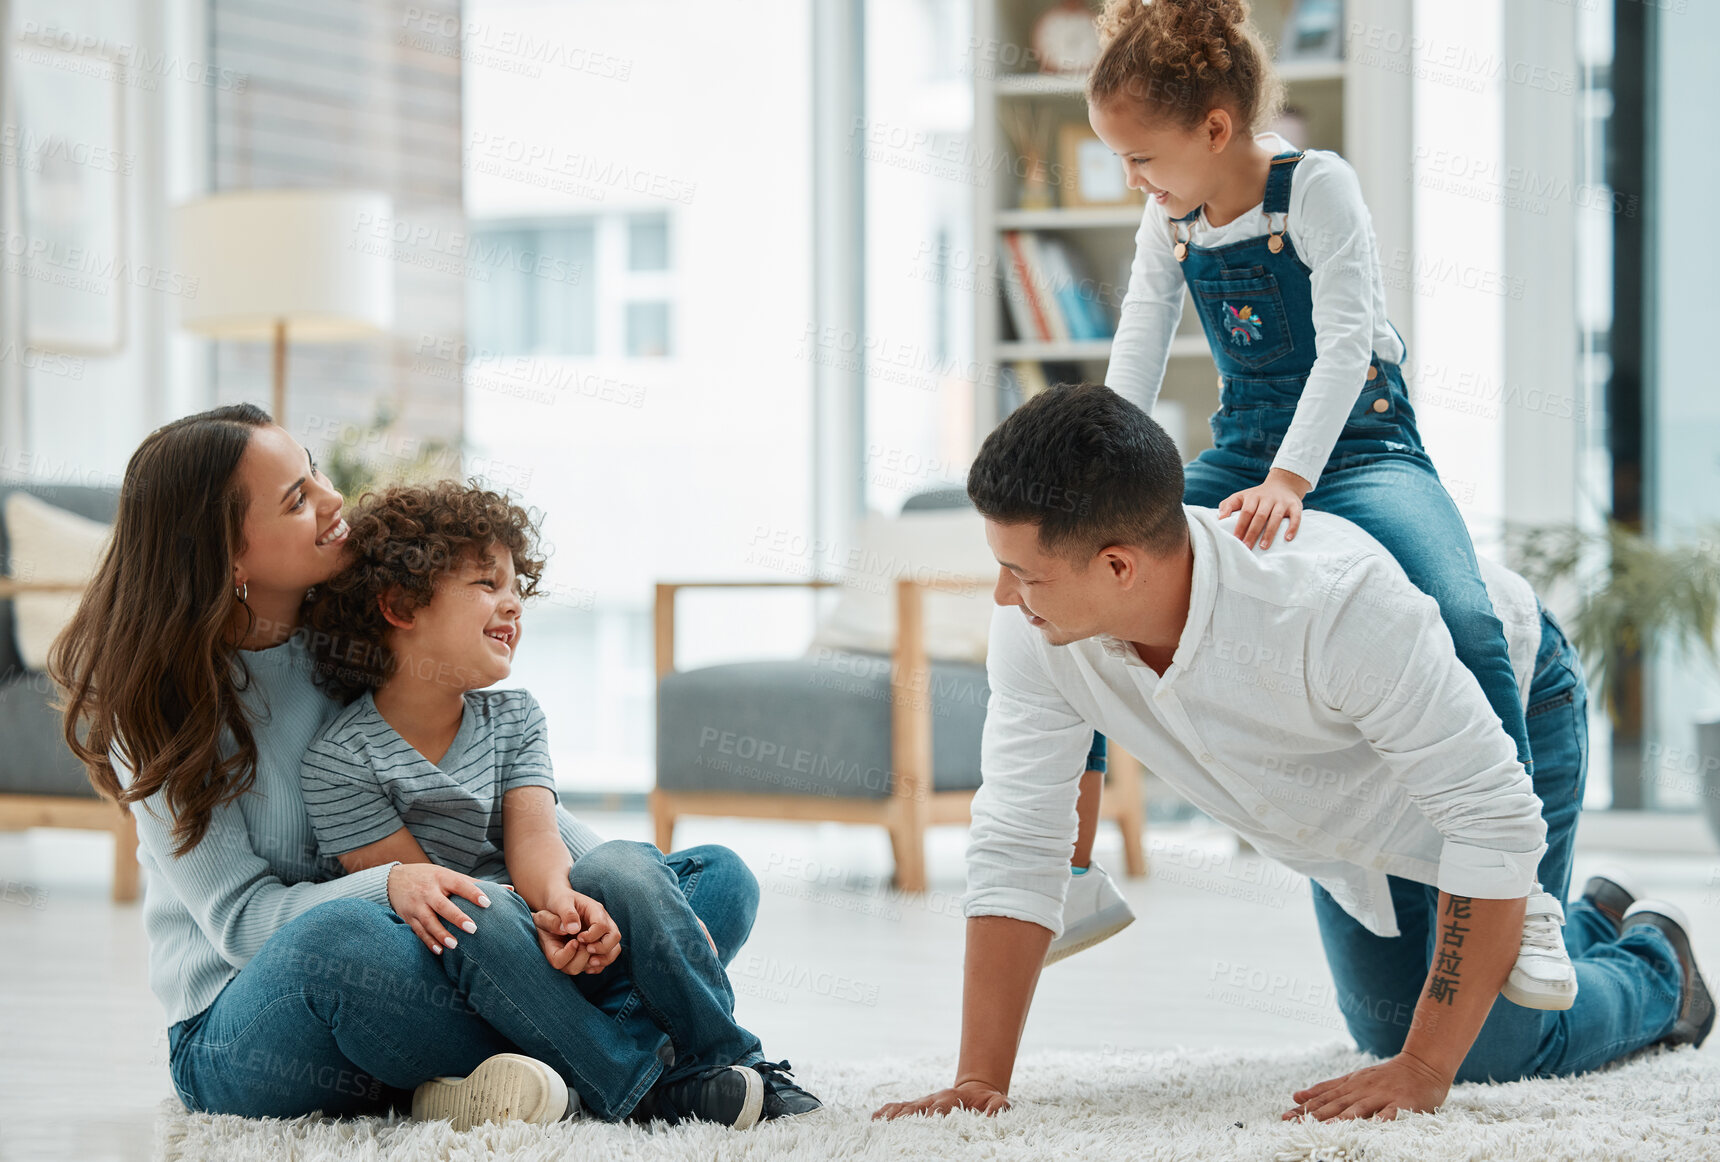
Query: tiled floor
[[1225, 954]]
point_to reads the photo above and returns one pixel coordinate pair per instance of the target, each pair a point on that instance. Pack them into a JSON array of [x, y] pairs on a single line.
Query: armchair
[[841, 735]]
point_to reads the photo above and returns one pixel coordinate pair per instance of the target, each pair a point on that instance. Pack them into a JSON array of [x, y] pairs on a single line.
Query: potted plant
[[1635, 598], [373, 456]]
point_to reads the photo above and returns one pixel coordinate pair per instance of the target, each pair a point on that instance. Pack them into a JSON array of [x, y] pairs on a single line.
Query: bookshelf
[[1361, 112]]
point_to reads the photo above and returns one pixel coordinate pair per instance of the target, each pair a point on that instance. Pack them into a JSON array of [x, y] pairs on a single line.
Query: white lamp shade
[[300, 257]]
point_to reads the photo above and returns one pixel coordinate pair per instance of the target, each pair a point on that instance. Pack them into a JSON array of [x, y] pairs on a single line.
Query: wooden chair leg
[[1130, 808], [663, 820], [125, 859], [910, 739], [908, 843]]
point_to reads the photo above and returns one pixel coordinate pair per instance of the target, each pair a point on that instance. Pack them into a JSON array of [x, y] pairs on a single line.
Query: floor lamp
[[311, 265]]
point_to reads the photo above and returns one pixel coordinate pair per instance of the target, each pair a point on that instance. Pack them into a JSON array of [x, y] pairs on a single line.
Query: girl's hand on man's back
[[1261, 509]]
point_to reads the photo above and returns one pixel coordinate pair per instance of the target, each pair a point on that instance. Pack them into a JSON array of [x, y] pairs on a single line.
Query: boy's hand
[[1265, 506], [420, 894], [580, 919], [564, 953]]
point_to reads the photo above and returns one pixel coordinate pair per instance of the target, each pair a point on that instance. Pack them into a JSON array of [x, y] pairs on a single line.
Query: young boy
[[425, 764]]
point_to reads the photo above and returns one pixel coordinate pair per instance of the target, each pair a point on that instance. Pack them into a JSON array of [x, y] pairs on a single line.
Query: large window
[[543, 282], [539, 297]]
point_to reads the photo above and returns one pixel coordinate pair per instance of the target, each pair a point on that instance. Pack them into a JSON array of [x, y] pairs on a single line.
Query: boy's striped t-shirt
[[362, 781]]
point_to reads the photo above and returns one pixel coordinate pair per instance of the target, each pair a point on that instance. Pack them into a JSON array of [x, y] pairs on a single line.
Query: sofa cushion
[[943, 545], [95, 502], [35, 760], [47, 544], [818, 725]]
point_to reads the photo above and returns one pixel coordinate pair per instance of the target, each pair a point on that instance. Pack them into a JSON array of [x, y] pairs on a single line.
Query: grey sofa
[[42, 784]]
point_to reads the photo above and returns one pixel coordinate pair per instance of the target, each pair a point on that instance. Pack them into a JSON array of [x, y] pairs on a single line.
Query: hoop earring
[[242, 590]]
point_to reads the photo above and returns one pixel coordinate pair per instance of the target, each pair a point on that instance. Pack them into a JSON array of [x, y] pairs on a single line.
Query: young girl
[[425, 764], [1277, 248]]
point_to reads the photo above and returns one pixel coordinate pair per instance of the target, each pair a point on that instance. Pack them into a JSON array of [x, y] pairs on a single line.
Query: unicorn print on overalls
[[1255, 302]]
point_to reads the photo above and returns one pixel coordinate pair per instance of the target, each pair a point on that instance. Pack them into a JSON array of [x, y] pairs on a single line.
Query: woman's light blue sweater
[[208, 912]]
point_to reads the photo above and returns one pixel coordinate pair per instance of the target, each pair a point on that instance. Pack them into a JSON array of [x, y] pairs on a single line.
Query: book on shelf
[[1048, 294], [1022, 379]]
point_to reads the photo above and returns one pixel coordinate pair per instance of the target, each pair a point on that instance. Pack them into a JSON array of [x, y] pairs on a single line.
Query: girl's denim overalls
[[1256, 305]]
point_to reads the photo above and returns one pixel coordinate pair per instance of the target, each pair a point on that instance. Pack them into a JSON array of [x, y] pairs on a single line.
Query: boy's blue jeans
[[1627, 986], [344, 1010]]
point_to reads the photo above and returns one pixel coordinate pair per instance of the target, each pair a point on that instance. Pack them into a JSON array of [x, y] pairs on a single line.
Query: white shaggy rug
[[1182, 1106]]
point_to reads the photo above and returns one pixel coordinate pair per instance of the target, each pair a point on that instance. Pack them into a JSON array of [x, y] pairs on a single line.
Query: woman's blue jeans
[[1627, 986], [344, 1010]]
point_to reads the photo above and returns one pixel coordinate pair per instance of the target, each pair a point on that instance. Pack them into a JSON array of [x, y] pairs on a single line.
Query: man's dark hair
[[1089, 468]]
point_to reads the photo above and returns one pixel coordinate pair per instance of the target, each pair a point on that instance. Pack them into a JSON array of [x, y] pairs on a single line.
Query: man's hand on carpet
[[966, 1095], [1403, 1082]]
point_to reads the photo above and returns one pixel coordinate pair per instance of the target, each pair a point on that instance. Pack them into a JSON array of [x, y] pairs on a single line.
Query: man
[[1224, 668]]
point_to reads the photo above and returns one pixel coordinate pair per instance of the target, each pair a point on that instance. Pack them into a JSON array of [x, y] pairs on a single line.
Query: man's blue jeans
[[344, 1010], [1627, 986]]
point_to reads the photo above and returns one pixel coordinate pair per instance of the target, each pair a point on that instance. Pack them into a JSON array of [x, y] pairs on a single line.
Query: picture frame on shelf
[[1089, 174], [1065, 39]]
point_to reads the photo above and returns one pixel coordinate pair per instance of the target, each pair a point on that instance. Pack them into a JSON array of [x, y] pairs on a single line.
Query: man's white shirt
[[1314, 704]]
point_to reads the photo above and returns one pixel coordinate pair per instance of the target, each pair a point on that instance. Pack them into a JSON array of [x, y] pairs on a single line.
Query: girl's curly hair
[[403, 541], [1178, 59]]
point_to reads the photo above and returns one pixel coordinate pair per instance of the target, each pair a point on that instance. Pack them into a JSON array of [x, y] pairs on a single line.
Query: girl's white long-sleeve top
[[1333, 235]]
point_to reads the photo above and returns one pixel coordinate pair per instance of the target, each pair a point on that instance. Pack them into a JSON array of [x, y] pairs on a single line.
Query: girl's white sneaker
[[1543, 977], [1093, 910], [506, 1087]]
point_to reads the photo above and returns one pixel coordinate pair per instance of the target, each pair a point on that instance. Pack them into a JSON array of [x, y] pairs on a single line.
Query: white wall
[[1458, 257]]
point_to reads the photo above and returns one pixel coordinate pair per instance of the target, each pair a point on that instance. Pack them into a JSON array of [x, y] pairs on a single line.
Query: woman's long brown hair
[[147, 663]]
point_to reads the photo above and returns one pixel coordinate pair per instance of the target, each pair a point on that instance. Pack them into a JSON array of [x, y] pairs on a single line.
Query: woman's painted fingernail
[[449, 941], [469, 926], [483, 901], [437, 949]]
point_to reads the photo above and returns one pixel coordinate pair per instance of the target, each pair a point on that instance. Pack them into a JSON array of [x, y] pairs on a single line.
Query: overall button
[[1380, 862], [1261, 810], [1381, 405], [1205, 758], [1373, 372]]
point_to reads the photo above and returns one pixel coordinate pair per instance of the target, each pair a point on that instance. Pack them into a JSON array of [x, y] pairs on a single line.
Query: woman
[[288, 987]]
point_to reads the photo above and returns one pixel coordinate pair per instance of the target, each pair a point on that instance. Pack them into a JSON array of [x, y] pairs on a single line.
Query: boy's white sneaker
[[506, 1087], [1093, 910], [1543, 977]]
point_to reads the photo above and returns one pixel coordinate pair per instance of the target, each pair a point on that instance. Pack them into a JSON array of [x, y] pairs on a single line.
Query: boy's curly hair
[[403, 541]]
